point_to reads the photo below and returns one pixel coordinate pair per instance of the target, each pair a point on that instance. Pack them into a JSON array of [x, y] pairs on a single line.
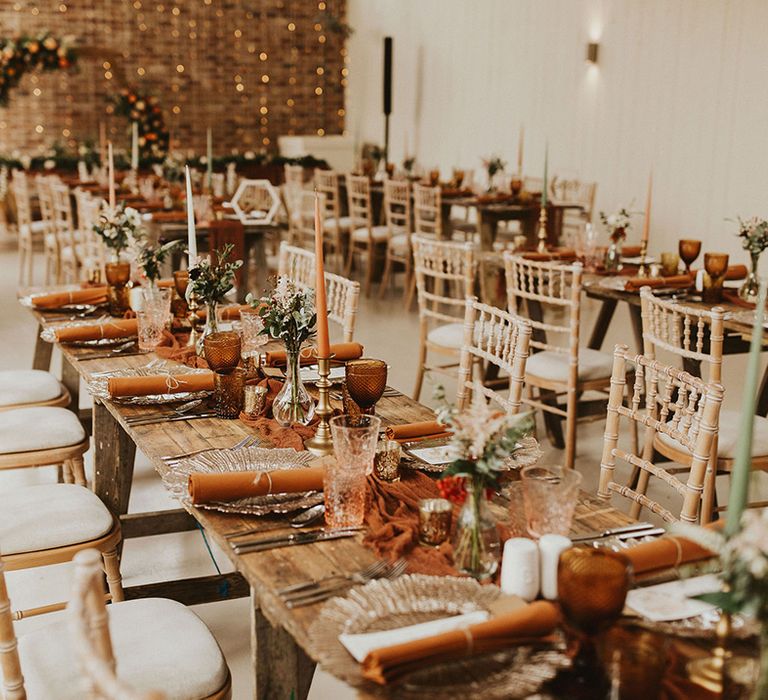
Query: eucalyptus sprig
[[150, 257], [288, 314], [119, 227], [212, 279]]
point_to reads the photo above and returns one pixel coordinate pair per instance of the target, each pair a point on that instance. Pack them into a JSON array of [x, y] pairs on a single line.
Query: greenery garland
[[144, 109], [25, 53]]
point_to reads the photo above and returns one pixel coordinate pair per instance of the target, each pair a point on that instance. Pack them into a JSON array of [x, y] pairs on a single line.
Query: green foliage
[[211, 280]]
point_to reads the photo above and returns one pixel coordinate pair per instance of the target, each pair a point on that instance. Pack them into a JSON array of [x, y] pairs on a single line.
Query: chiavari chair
[[366, 239], [338, 226], [64, 229], [50, 240], [397, 211], [695, 335], [555, 369], [664, 401], [342, 295], [445, 277], [29, 230], [91, 248], [579, 194], [427, 211], [303, 229], [291, 191], [495, 337]]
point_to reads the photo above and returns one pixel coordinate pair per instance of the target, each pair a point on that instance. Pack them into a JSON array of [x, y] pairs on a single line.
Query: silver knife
[[108, 355], [634, 527], [170, 419], [265, 543]]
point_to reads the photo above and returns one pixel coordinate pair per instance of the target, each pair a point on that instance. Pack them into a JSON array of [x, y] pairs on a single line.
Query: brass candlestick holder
[[642, 271], [321, 443], [542, 235], [193, 303], [708, 672]]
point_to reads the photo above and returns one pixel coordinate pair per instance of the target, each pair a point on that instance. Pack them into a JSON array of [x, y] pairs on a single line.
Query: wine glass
[[689, 250], [366, 380], [715, 267]]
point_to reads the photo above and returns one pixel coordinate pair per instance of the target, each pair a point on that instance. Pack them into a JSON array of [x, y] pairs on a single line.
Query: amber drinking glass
[[366, 380], [179, 302], [636, 661], [670, 262], [458, 177], [222, 350], [715, 267], [434, 177], [550, 495], [229, 392], [689, 250], [118, 274]]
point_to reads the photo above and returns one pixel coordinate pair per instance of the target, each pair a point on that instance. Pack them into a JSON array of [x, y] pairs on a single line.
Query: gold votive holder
[[229, 392], [255, 400], [670, 263], [434, 520], [386, 463]]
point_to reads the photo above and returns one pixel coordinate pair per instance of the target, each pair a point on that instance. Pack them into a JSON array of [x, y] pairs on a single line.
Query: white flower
[[82, 150], [25, 161], [249, 155], [203, 160], [611, 220]]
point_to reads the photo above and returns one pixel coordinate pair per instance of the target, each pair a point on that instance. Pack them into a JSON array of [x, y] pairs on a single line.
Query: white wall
[[681, 87]]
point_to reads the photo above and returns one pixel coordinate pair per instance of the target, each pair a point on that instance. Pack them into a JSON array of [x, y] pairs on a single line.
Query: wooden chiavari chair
[[397, 211], [498, 338], [665, 401], [554, 369], [365, 238], [342, 295], [578, 193], [445, 277], [695, 335], [303, 228], [64, 229], [29, 230], [338, 226], [291, 191], [92, 251], [427, 211], [50, 240]]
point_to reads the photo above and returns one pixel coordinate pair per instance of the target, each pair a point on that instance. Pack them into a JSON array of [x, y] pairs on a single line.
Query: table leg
[[636, 316], [281, 668], [71, 380], [602, 323], [43, 352], [113, 460]]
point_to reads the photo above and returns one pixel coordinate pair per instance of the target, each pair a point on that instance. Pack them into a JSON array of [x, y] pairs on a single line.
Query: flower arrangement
[[118, 228], [211, 280], [145, 110], [408, 163], [754, 234], [288, 314], [618, 224], [494, 165], [150, 257], [25, 53]]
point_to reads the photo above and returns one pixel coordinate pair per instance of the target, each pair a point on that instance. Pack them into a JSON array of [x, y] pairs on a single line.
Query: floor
[[385, 328]]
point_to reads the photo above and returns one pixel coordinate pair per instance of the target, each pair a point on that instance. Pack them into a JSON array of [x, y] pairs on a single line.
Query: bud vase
[[211, 324], [293, 404], [751, 287], [476, 544]]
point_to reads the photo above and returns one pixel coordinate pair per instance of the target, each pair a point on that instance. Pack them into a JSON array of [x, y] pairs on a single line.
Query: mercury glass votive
[[255, 400], [386, 463], [670, 262], [229, 392], [434, 520]]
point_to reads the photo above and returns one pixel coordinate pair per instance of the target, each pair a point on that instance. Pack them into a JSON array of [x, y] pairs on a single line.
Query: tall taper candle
[[321, 305], [742, 464], [209, 159], [647, 222], [134, 145], [546, 180], [111, 168], [520, 144], [191, 234], [102, 142]]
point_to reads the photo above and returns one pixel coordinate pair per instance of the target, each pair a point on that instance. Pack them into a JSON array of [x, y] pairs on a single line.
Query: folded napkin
[[98, 331], [634, 284], [159, 384], [532, 622], [92, 295], [665, 553], [557, 254], [342, 352], [170, 217], [630, 251], [736, 272], [413, 432], [232, 486], [168, 283]]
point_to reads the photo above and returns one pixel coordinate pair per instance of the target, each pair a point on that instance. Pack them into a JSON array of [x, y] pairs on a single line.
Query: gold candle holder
[[321, 443], [708, 672], [542, 235], [193, 303], [642, 271]]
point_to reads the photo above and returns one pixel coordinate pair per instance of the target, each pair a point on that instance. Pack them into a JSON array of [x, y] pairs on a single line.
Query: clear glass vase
[[293, 404], [211, 324], [612, 261], [749, 290], [476, 546]]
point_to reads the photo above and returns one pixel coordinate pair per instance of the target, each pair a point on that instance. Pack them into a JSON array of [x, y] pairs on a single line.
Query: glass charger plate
[[98, 385], [26, 300], [527, 453], [412, 599], [700, 627], [176, 479], [48, 334]]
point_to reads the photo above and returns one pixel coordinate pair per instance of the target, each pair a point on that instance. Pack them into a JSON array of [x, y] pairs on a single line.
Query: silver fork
[[245, 442], [362, 576]]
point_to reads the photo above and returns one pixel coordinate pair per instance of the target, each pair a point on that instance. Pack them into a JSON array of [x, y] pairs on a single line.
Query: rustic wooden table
[[279, 636]]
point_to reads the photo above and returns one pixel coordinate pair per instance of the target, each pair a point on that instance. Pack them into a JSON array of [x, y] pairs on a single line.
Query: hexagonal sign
[[256, 202]]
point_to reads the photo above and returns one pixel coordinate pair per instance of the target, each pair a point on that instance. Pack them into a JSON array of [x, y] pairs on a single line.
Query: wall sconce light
[[592, 51]]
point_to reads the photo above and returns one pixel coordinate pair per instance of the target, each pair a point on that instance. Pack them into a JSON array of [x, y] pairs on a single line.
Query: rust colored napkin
[[341, 351], [554, 255], [168, 283], [736, 272], [159, 384], [204, 488], [412, 432], [634, 284], [731, 296], [173, 347], [532, 622], [92, 295], [665, 553], [97, 331], [226, 313], [170, 217], [270, 430]]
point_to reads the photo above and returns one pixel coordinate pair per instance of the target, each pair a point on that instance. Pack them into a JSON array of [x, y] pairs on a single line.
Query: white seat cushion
[[38, 428], [33, 518], [158, 644], [548, 364], [39, 226], [379, 233], [451, 335], [27, 386], [728, 435], [398, 244], [345, 223]]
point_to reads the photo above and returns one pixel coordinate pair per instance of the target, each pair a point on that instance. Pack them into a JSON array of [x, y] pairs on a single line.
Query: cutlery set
[[625, 532], [262, 544]]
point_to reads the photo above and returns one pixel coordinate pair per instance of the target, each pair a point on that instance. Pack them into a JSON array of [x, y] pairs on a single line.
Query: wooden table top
[[268, 571]]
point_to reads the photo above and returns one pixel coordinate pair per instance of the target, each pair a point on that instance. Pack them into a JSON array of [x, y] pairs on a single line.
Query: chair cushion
[[451, 335], [398, 244], [345, 223], [551, 365], [27, 386], [33, 518], [379, 233], [158, 644], [728, 435], [38, 428]]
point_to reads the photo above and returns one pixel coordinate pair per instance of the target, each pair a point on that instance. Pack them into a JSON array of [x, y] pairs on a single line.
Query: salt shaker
[[550, 548], [520, 568]]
